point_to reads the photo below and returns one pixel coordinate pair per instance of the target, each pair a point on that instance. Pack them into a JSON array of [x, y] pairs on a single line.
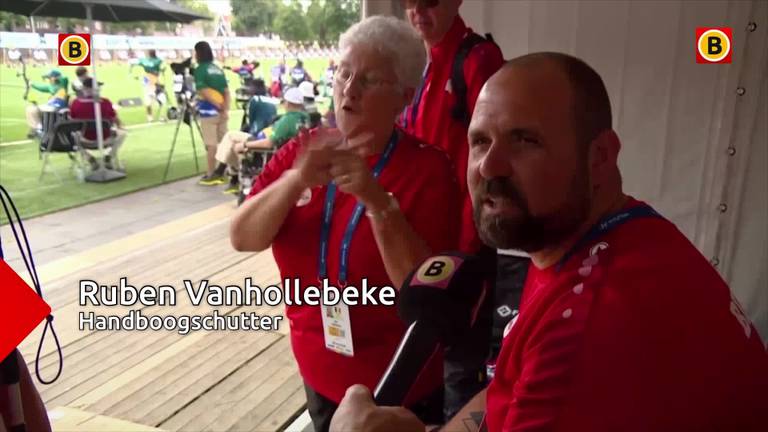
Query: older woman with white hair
[[308, 202]]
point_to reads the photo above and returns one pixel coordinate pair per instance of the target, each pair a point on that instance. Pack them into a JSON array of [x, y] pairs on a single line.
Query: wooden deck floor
[[217, 381]]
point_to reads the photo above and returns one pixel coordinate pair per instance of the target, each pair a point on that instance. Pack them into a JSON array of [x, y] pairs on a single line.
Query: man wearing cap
[[286, 127], [83, 109], [308, 91], [262, 136], [57, 87], [81, 73]]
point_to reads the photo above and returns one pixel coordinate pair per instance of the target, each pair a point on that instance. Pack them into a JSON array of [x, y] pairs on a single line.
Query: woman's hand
[[352, 175], [314, 160]]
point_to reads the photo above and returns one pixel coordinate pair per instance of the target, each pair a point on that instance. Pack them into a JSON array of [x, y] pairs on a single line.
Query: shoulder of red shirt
[[89, 102], [76, 109], [645, 268], [638, 315], [484, 56], [647, 277]]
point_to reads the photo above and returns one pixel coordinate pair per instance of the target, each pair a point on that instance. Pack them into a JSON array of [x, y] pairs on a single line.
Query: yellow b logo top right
[[713, 45]]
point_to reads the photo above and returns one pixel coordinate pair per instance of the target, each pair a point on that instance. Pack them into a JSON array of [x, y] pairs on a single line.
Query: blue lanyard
[[606, 224], [330, 197]]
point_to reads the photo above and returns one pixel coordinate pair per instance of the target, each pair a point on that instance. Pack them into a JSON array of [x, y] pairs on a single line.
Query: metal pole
[[102, 174], [96, 100]]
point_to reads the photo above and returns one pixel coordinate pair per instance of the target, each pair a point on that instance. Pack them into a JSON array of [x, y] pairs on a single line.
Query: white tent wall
[[677, 119]]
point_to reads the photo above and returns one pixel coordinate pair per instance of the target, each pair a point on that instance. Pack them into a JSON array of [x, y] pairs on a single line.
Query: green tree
[[201, 8], [10, 21], [317, 18], [291, 23], [69, 25], [252, 17], [329, 18]]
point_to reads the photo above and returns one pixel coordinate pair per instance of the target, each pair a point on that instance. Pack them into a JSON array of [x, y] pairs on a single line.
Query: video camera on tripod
[[183, 88]]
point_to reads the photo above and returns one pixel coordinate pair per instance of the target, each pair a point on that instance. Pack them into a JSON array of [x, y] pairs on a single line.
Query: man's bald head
[[543, 153], [590, 103]]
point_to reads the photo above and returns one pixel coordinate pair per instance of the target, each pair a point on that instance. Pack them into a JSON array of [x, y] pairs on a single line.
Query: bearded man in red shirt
[[623, 324]]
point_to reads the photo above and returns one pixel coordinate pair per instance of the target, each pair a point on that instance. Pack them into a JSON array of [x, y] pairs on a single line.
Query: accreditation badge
[[337, 329]]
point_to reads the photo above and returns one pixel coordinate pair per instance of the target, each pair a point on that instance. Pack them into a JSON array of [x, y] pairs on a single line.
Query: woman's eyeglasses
[[344, 76]]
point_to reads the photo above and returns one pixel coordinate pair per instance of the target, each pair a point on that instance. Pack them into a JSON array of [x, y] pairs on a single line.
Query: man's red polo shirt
[[433, 123], [637, 332], [421, 179], [83, 109]]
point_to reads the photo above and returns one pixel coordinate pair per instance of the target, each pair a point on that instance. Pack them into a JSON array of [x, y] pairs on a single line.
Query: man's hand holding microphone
[[439, 301], [358, 412]]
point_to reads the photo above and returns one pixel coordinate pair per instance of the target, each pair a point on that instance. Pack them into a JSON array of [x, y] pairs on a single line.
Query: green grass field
[[144, 153]]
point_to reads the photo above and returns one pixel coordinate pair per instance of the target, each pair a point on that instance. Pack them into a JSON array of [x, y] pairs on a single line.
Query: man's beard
[[528, 232]]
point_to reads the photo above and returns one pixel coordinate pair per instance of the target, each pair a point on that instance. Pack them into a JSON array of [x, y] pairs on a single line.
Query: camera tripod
[[187, 115]]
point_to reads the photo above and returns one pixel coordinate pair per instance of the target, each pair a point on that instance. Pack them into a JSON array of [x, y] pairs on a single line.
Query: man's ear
[[604, 154]]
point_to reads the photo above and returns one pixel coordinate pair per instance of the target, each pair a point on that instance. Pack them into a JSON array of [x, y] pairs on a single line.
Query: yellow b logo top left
[[74, 49]]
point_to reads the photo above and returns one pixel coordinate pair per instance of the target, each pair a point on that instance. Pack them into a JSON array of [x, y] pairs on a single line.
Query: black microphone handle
[[417, 346]]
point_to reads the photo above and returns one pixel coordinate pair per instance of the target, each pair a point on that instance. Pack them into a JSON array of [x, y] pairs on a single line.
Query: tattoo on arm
[[472, 423]]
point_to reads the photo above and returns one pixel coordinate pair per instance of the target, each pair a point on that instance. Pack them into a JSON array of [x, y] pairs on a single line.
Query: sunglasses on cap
[[413, 4]]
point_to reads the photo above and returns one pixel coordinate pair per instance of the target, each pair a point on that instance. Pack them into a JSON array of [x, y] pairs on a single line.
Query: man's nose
[[495, 162]]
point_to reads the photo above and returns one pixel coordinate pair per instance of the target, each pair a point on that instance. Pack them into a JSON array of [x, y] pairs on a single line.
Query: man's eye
[[479, 141], [525, 139]]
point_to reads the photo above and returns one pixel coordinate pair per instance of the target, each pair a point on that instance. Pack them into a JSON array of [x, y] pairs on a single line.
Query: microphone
[[439, 301]]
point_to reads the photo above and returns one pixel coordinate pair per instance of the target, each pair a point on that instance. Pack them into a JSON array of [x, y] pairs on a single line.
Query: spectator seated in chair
[[83, 109], [266, 137], [57, 87]]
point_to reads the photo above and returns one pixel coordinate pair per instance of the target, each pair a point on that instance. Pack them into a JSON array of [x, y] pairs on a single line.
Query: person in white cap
[[285, 128], [231, 149], [308, 90]]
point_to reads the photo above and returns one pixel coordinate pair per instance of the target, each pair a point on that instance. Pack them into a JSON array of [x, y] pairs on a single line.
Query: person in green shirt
[[285, 128], [262, 112], [233, 147], [152, 66], [58, 88], [213, 101]]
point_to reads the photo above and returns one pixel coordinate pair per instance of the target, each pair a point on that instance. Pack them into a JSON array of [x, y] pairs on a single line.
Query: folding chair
[[60, 139], [83, 144], [49, 118]]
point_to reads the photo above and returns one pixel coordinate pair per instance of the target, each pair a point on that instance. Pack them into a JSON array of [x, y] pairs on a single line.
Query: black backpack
[[459, 111]]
